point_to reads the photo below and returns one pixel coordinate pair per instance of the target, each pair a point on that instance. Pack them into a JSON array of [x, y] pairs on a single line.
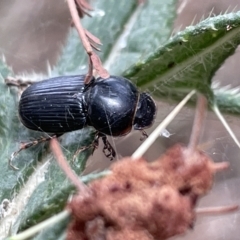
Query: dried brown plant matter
[[142, 200]]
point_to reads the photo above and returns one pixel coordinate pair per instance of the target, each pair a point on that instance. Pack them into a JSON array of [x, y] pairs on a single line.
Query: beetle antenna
[[108, 150]]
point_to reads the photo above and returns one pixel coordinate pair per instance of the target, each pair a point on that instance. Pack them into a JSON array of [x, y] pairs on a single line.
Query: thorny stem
[[62, 162], [86, 44], [73, 10], [198, 123], [94, 60]]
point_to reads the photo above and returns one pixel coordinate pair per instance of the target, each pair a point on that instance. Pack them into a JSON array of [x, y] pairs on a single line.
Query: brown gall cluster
[[142, 200]]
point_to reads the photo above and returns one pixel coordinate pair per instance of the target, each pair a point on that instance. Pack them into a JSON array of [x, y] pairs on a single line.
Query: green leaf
[[10, 133], [227, 98], [54, 231], [149, 27], [51, 195], [57, 231], [189, 60], [5, 70], [13, 184]]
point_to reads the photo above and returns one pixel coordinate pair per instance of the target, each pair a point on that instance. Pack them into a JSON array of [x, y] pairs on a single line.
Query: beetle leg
[[17, 82], [28, 145], [80, 150], [144, 135], [108, 150], [93, 145]]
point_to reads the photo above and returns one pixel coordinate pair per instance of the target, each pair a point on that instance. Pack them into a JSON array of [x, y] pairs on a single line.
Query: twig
[[84, 35], [76, 20]]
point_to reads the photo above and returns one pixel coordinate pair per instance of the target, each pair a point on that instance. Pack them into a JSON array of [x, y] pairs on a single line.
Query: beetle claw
[[83, 149], [108, 150], [144, 135]]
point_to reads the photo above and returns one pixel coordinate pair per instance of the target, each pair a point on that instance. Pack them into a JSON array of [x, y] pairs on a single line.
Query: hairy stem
[[62, 162]]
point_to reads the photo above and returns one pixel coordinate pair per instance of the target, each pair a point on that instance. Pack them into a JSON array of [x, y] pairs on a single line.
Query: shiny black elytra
[[63, 104]]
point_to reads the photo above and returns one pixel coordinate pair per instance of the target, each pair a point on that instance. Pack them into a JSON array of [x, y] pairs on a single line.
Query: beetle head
[[145, 113]]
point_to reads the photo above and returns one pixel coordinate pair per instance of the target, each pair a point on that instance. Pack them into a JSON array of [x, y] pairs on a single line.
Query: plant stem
[[93, 59], [79, 27], [198, 123], [217, 210], [62, 162]]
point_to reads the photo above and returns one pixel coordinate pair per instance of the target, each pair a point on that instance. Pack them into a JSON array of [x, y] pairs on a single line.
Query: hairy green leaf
[[51, 195], [227, 98], [11, 132], [189, 61]]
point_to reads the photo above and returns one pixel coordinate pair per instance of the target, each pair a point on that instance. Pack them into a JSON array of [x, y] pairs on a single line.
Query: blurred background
[[32, 34]]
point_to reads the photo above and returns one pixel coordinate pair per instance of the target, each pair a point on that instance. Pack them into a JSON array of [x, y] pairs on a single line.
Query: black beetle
[[63, 104]]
